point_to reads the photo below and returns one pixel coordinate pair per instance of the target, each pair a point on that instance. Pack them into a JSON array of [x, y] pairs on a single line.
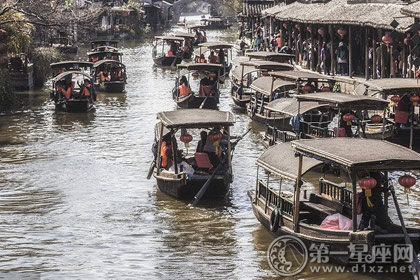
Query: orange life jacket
[[203, 60], [66, 93], [94, 59], [103, 77], [86, 91], [278, 42], [163, 150], [183, 90]]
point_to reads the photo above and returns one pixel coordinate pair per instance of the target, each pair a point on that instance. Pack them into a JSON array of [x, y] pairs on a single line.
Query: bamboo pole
[[297, 195], [332, 51]]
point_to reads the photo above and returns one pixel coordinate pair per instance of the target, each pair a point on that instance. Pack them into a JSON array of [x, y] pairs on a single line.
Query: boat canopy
[[299, 75], [111, 52], [237, 72], [109, 61], [393, 86], [64, 74], [268, 55], [268, 65], [216, 45], [212, 19], [209, 67], [169, 38], [100, 43], [359, 153], [341, 100], [281, 160], [266, 85], [237, 60], [185, 35], [290, 106], [196, 118], [69, 64]]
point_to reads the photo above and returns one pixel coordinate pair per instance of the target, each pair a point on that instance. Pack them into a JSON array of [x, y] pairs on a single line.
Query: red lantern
[[376, 119], [367, 184], [348, 118], [215, 137], [407, 182], [321, 31], [341, 32], [406, 41], [307, 88], [415, 99], [285, 25], [326, 89], [309, 28], [297, 26], [387, 39], [396, 98], [196, 75], [186, 138]]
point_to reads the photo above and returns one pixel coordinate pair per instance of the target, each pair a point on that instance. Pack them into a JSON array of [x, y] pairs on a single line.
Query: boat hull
[[186, 189], [114, 87], [167, 61], [74, 106]]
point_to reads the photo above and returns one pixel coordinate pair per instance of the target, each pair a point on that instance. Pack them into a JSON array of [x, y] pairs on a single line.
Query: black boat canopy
[[109, 61], [62, 75], [393, 86], [209, 67], [299, 75], [266, 85], [268, 65], [268, 55], [359, 154], [71, 64], [281, 160], [169, 38], [290, 106], [343, 100], [196, 118]]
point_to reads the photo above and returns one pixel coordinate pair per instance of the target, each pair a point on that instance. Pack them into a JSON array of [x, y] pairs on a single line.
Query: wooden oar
[[204, 102], [151, 168], [416, 265], [203, 189]]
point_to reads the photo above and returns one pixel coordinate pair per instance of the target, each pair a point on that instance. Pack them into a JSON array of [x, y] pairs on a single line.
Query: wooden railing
[[271, 199], [336, 192], [275, 135]]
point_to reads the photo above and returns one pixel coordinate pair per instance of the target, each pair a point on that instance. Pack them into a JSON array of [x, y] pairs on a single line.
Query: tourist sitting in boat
[[104, 76], [212, 149], [86, 89], [202, 142], [166, 153], [213, 58], [64, 89], [207, 86], [184, 88]]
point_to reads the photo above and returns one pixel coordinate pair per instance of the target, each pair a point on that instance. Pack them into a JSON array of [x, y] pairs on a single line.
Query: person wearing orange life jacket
[[103, 75], [85, 90], [202, 59], [95, 59], [184, 89], [278, 40], [165, 153]]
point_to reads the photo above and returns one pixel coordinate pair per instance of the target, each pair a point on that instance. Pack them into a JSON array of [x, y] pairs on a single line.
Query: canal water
[[75, 202]]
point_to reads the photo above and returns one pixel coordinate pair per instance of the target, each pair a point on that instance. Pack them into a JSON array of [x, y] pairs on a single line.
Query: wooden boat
[[199, 32], [249, 72], [271, 56], [104, 45], [207, 93], [185, 182], [319, 114], [96, 56], [284, 211], [304, 82], [73, 81], [206, 49], [188, 45], [115, 78], [214, 23], [406, 119], [169, 58], [71, 65]]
